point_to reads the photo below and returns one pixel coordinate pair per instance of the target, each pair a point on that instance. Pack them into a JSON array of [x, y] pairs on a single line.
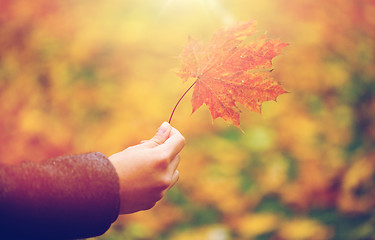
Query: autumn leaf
[[230, 69]]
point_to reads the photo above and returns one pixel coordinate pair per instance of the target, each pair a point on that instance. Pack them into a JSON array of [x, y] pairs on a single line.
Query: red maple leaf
[[231, 68]]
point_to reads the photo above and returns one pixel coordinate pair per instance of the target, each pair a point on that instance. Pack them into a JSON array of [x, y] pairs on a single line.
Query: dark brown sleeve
[[63, 198]]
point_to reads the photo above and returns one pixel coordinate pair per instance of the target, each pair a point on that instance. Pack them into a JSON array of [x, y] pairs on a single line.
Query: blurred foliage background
[[79, 76]]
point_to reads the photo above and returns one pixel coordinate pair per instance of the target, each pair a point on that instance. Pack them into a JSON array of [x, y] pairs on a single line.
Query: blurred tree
[[84, 76]]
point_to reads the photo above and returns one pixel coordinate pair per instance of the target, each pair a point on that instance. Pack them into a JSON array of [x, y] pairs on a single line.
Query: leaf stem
[[183, 95]]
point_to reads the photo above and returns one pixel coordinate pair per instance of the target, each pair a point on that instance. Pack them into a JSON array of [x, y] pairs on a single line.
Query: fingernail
[[163, 128]]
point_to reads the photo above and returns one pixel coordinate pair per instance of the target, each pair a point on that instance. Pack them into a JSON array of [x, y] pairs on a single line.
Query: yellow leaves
[[275, 175], [358, 189], [222, 193], [30, 121], [156, 220], [211, 174], [98, 76], [299, 132], [358, 173], [259, 138], [214, 232], [256, 224], [313, 186], [304, 229], [252, 225]]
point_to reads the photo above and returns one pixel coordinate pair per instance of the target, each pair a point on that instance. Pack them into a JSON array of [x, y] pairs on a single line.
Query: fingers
[[160, 137], [174, 144], [174, 163], [175, 173], [175, 177]]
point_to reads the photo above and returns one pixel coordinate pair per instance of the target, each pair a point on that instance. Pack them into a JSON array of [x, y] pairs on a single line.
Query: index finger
[[174, 144]]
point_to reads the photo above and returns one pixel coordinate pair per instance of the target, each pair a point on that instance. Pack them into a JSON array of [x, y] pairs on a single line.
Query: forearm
[[68, 197]]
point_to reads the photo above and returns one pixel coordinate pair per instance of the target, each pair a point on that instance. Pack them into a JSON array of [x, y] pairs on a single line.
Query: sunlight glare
[[208, 6]]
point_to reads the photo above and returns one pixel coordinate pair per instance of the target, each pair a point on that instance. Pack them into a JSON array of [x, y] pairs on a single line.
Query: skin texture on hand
[[147, 170]]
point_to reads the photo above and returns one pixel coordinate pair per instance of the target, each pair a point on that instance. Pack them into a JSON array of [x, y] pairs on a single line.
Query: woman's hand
[[147, 170]]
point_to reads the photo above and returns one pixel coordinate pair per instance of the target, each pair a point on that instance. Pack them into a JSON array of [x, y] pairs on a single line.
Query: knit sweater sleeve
[[67, 197]]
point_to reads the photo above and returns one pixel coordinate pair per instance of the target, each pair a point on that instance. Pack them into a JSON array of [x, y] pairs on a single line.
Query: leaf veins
[[231, 69]]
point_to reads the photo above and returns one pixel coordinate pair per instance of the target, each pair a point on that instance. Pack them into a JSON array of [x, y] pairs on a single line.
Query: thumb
[[161, 135]]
